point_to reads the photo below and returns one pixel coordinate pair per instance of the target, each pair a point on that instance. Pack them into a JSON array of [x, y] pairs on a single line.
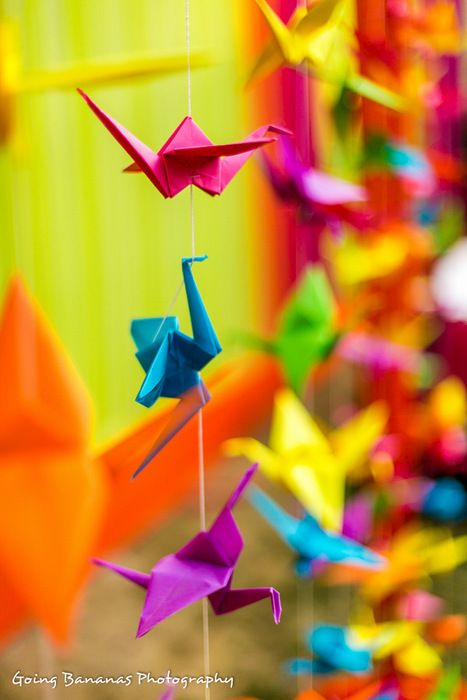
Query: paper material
[[314, 468], [318, 36], [310, 541], [202, 568], [307, 330], [322, 199], [188, 157], [172, 360], [334, 651], [53, 490]]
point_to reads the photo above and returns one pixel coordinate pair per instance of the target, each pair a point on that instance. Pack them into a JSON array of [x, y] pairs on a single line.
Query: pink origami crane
[[188, 157], [203, 567]]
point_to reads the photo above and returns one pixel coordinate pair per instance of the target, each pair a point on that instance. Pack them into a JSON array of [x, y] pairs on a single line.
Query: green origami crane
[[307, 333]]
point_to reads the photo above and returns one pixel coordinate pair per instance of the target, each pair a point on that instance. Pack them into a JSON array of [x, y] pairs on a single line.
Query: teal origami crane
[[314, 545], [173, 360]]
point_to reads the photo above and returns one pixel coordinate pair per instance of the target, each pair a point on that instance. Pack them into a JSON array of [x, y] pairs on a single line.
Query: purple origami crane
[[188, 157], [203, 567], [322, 199]]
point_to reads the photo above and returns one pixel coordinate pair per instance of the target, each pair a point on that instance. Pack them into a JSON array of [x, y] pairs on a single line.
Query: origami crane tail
[[226, 601], [134, 576], [283, 523], [203, 330], [145, 158], [190, 403], [230, 165]]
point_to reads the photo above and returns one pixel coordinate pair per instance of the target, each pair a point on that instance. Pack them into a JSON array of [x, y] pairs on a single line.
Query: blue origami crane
[[313, 544], [173, 361], [334, 651]]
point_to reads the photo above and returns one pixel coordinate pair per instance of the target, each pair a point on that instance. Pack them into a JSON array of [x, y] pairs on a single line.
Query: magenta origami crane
[[320, 198], [188, 157], [203, 567]]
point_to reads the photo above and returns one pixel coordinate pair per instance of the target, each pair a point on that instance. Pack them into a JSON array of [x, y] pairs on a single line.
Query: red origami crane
[[188, 157]]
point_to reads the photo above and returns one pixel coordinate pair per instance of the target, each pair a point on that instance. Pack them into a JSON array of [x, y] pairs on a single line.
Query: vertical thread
[[202, 519], [188, 53], [201, 468]]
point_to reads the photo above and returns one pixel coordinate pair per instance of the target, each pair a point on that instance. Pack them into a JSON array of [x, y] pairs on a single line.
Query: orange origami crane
[[53, 492], [60, 503]]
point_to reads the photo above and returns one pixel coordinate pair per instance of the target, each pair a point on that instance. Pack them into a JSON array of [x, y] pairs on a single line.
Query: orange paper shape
[[53, 492]]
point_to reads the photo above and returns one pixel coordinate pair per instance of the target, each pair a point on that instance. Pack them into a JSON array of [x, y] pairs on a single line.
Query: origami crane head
[[188, 157], [310, 541], [203, 567]]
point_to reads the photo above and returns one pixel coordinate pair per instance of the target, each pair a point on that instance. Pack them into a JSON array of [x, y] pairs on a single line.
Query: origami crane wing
[[146, 331], [232, 164], [144, 157], [175, 584], [318, 16], [190, 403], [293, 429], [353, 441], [193, 153], [153, 383], [281, 34], [325, 189], [112, 71], [255, 451]]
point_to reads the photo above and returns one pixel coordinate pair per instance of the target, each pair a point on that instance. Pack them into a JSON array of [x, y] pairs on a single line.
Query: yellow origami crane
[[447, 404], [14, 83], [312, 466], [402, 640], [415, 553], [357, 260], [317, 36]]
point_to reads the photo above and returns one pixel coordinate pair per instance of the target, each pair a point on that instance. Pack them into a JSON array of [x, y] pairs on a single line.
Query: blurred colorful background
[[336, 285]]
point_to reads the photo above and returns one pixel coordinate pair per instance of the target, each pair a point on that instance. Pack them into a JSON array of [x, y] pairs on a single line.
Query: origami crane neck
[[222, 544]]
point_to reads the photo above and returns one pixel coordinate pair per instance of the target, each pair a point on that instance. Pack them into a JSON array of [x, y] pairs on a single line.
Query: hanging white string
[[202, 518], [201, 468], [188, 52]]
